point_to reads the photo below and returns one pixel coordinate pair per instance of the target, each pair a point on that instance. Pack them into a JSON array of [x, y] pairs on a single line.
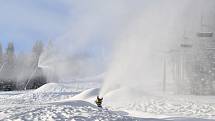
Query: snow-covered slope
[[161, 106], [66, 110], [47, 93], [54, 87], [87, 95], [54, 102], [61, 102]]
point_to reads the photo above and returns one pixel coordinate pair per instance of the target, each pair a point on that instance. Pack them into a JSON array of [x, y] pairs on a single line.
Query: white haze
[[156, 30], [139, 33]]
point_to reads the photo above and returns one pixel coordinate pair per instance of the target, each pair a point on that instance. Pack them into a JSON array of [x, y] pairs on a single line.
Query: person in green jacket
[[99, 102]]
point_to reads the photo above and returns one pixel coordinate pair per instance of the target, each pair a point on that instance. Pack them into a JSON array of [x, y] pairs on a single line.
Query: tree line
[[21, 71]]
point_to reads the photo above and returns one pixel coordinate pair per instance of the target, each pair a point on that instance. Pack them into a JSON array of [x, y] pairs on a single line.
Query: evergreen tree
[[10, 53], [50, 44], [36, 77], [1, 54], [8, 72], [36, 52], [38, 48]]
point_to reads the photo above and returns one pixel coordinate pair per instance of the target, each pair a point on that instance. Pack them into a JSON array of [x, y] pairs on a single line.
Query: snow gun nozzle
[[99, 101], [99, 98]]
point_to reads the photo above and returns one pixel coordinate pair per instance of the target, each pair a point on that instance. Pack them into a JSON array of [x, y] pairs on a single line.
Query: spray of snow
[[135, 34], [93, 27], [140, 50]]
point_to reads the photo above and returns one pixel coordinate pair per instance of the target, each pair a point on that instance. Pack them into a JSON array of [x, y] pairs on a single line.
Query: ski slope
[[63, 102]]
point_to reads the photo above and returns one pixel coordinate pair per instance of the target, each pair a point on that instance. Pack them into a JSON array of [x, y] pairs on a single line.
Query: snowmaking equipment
[[99, 102]]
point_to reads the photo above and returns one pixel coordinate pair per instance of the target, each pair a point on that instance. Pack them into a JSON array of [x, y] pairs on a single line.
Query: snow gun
[[99, 102]]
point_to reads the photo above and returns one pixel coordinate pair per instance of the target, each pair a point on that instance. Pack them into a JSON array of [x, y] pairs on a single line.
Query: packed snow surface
[[62, 102], [54, 87]]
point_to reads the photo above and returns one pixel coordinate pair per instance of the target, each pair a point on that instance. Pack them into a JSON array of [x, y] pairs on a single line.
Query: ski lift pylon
[[205, 34]]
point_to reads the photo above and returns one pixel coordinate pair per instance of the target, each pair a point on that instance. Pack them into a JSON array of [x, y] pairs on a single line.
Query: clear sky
[[25, 21]]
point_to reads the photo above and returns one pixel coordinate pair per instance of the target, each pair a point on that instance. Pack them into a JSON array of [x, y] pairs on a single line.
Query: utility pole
[[164, 75]]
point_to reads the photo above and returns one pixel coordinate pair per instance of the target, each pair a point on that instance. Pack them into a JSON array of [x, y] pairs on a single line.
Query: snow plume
[[154, 28], [85, 46], [135, 34], [88, 41]]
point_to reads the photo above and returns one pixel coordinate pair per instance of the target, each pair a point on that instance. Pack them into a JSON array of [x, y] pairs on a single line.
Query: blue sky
[[25, 21]]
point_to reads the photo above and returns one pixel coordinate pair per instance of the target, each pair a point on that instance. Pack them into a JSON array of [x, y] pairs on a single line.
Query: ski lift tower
[[185, 59], [206, 60], [204, 33]]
